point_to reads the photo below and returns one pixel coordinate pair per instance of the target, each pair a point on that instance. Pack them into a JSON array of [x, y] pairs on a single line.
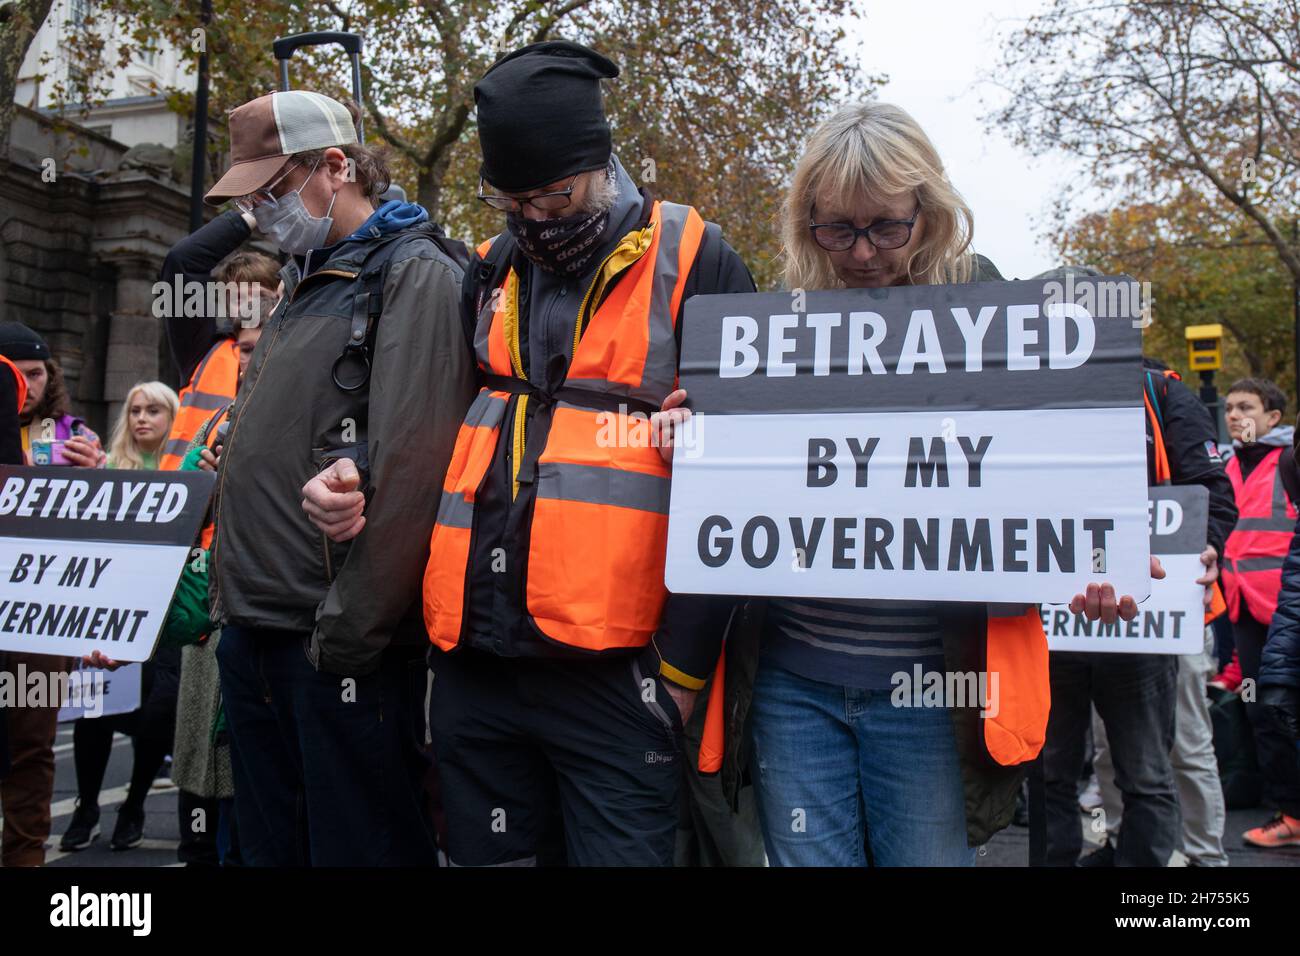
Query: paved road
[[1008, 848], [160, 827], [1011, 846]]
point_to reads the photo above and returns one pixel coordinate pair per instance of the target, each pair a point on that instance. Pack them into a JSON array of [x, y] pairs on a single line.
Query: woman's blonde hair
[[875, 152], [123, 450]]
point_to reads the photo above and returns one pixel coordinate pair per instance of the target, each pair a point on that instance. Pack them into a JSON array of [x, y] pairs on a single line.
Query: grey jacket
[[271, 567]]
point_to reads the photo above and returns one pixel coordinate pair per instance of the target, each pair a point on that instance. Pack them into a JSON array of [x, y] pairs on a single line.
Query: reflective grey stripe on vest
[[1278, 520], [454, 511], [207, 401], [1265, 563], [661, 353], [486, 411], [602, 486], [176, 446]]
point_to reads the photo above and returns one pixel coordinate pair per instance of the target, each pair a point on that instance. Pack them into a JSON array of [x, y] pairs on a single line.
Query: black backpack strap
[[705, 270], [453, 249], [351, 370], [485, 275], [492, 269]]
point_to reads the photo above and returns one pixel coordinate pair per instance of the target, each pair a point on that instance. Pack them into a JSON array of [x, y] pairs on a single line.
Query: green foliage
[[1205, 265]]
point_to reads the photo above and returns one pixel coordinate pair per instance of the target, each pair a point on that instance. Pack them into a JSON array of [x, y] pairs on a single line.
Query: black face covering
[[560, 246]]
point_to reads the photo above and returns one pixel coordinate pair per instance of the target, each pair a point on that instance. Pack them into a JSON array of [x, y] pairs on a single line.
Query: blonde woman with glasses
[[843, 777]]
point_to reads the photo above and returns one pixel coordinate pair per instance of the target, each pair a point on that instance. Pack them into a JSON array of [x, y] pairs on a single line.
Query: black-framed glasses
[[543, 202], [883, 233]]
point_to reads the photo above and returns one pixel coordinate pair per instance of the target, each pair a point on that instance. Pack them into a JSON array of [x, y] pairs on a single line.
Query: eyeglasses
[[264, 195], [543, 202], [883, 233]]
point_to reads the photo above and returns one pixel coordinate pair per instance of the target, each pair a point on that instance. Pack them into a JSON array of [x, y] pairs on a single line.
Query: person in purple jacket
[[44, 417]]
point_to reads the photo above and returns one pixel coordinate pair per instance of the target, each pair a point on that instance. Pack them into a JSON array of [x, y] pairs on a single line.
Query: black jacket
[[1279, 664], [1191, 444], [11, 437], [193, 258]]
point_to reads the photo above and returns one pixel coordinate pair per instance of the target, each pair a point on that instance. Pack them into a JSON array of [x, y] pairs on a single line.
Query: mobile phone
[[48, 453]]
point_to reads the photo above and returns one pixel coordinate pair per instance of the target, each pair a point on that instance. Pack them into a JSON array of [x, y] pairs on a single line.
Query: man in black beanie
[[564, 670]]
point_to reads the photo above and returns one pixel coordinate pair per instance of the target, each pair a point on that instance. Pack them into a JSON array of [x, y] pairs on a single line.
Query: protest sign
[[96, 692], [89, 558], [979, 442], [1172, 619]]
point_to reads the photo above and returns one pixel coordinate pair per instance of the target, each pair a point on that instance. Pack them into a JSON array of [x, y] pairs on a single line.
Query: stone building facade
[[82, 240]]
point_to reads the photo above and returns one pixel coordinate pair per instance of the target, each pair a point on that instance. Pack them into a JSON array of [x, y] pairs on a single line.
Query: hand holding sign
[[1099, 602], [1171, 619], [97, 659], [1209, 558], [664, 423]]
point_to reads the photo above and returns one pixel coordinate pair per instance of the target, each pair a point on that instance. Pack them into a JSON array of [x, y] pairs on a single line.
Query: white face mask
[[288, 224]]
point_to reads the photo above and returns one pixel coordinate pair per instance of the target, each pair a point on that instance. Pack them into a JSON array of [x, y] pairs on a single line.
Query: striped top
[[853, 643]]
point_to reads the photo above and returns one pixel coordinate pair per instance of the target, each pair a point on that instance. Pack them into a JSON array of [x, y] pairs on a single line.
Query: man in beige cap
[[321, 653]]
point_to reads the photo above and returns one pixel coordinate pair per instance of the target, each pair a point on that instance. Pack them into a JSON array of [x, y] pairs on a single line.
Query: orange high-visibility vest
[[210, 441], [212, 386], [598, 487], [20, 382], [1266, 520], [1015, 649]]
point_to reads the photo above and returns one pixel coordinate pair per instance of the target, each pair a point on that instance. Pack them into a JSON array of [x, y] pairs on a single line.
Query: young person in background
[[143, 426]]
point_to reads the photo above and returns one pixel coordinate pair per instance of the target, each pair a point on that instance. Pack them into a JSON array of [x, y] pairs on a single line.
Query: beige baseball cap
[[266, 131]]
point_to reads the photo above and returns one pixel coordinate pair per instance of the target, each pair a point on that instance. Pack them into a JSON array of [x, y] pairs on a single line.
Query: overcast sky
[[1009, 191]]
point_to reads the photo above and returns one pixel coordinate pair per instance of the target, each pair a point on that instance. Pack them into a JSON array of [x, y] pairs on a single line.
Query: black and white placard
[[980, 442], [89, 558], [1172, 619]]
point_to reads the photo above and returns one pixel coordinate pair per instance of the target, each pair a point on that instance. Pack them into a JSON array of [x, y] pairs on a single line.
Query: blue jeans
[[841, 769]]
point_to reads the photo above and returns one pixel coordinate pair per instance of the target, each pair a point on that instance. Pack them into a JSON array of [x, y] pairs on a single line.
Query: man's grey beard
[[603, 193]]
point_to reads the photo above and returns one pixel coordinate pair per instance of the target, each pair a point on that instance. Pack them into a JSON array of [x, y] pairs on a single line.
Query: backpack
[[368, 303]]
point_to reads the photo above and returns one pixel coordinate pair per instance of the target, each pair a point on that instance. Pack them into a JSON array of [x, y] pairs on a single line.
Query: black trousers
[[1135, 697], [197, 819], [528, 748], [92, 742], [1279, 761], [152, 728], [327, 769]]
